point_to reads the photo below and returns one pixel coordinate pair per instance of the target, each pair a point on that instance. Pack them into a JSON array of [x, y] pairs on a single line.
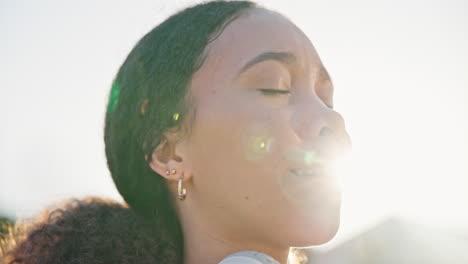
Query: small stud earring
[[167, 172], [173, 171], [181, 191]]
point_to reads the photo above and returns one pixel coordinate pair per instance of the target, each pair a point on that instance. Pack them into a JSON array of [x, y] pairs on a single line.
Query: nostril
[[326, 131]]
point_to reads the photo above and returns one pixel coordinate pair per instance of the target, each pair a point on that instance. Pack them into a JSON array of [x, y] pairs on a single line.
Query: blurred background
[[400, 70]]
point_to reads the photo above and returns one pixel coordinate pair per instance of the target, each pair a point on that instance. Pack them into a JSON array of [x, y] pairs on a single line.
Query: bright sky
[[400, 70]]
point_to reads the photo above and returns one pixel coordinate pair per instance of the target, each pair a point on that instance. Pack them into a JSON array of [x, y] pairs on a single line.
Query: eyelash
[[271, 92]]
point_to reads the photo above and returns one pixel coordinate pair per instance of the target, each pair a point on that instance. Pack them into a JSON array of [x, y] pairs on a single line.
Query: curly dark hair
[[91, 230], [149, 96]]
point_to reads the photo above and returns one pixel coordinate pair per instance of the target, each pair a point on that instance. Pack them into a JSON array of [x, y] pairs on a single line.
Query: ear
[[170, 158]]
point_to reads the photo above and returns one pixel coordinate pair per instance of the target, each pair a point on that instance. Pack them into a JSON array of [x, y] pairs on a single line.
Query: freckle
[[246, 197]]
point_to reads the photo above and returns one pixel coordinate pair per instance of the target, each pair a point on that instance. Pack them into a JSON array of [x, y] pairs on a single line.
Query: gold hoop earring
[[181, 191]]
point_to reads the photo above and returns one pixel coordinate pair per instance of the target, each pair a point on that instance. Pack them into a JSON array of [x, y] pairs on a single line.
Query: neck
[[201, 247], [208, 242]]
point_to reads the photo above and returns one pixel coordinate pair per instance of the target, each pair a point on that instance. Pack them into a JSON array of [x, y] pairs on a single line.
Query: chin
[[317, 231], [324, 235]]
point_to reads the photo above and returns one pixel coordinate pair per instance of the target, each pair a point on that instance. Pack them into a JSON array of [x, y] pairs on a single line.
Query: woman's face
[[262, 136]]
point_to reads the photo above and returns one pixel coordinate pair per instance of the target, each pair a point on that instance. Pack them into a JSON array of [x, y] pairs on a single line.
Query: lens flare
[[113, 97], [304, 156], [317, 185], [258, 146], [258, 142]]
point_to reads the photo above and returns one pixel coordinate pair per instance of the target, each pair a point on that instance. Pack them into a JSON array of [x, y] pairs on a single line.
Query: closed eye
[[274, 91]]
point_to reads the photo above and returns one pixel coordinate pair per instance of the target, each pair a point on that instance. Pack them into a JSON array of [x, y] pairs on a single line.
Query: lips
[[310, 187], [310, 172]]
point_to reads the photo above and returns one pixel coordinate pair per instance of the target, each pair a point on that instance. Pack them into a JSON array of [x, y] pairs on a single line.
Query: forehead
[[255, 32]]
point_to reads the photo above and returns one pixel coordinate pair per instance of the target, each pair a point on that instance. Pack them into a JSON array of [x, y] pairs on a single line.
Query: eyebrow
[[282, 57], [285, 58]]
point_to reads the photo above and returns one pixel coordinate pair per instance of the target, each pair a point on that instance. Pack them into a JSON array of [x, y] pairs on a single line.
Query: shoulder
[[248, 257]]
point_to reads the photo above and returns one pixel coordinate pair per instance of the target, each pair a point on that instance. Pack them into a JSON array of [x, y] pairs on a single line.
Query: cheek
[[234, 147]]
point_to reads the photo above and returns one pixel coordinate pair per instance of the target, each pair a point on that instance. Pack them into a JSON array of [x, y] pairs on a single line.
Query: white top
[[248, 257]]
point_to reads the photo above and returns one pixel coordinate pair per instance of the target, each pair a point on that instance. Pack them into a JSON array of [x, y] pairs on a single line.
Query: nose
[[333, 130], [319, 123]]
